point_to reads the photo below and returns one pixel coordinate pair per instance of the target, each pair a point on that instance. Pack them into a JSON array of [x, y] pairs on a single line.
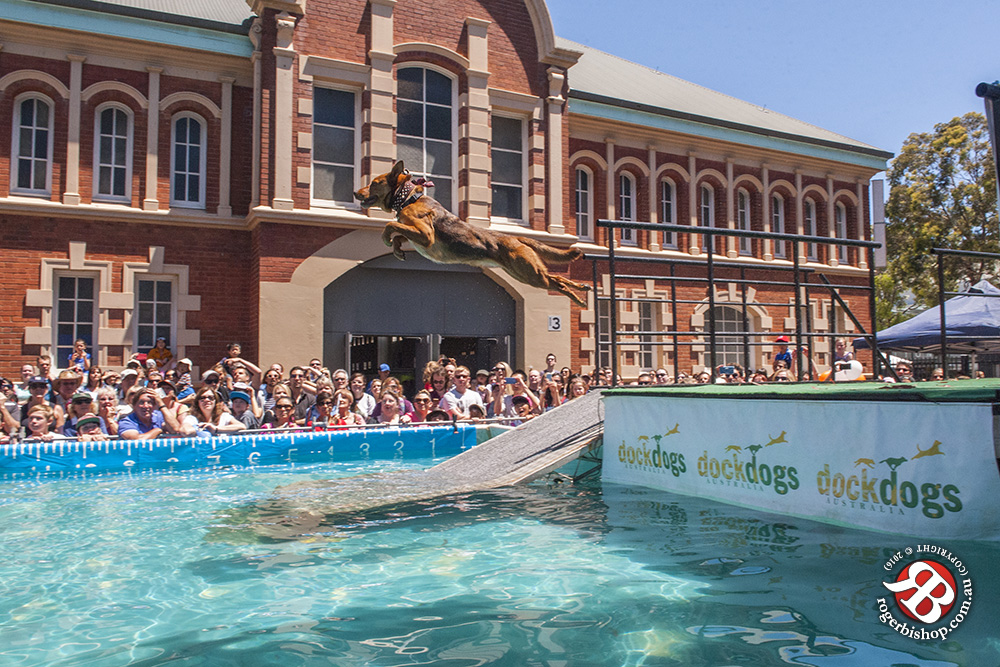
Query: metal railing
[[800, 282]]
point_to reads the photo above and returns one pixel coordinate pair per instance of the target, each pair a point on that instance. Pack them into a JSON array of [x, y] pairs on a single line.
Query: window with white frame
[[809, 228], [743, 221], [646, 356], [507, 176], [32, 146], [112, 153], [626, 205], [425, 125], [778, 223], [604, 333], [154, 312], [74, 315], [668, 211], [335, 140], [187, 161], [584, 204], [729, 348], [840, 230], [707, 214]]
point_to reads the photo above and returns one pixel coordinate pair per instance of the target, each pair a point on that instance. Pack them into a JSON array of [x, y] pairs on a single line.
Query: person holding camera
[[503, 403]]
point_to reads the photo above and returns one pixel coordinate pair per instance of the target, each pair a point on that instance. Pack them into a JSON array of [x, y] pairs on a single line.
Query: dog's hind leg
[[397, 247]]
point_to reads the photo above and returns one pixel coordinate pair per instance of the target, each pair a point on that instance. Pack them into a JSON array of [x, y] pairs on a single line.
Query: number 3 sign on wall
[[555, 323]]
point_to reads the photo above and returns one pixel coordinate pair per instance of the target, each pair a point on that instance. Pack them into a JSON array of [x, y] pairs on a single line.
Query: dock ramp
[[520, 455]]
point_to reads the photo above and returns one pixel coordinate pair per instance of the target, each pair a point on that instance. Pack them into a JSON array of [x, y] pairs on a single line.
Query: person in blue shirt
[[782, 352], [147, 421], [79, 358]]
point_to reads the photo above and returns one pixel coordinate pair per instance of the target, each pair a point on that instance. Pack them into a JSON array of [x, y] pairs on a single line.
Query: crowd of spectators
[[156, 396]]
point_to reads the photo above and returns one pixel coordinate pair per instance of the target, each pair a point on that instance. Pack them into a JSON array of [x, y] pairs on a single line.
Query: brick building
[[189, 175]]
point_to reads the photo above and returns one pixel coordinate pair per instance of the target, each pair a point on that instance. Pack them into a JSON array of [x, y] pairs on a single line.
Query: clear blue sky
[[875, 71]]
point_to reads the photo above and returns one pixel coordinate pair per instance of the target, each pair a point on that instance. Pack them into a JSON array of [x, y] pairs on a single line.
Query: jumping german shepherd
[[441, 237]]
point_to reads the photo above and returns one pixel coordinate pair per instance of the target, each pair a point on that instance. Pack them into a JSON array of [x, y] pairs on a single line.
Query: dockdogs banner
[[912, 468]]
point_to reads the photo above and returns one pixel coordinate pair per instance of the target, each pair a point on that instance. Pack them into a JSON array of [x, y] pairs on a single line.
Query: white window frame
[[840, 230], [587, 196], [743, 221], [729, 341], [334, 203], [668, 211], [203, 161], [706, 213], [93, 346], [129, 135], [646, 355], [525, 122], [603, 315], [155, 277], [15, 146], [454, 127], [809, 228], [628, 200], [778, 224]]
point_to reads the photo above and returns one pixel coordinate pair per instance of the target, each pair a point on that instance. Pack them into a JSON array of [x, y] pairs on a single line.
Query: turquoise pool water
[[159, 568]]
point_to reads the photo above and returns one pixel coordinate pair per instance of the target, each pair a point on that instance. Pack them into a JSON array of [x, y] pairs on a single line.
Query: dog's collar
[[405, 196]]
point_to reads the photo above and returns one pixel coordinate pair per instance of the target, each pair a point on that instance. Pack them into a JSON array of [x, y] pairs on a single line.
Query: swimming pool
[[156, 568]]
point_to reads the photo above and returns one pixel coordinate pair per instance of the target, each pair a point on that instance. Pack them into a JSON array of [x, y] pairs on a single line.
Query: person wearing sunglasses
[[209, 415], [457, 400], [284, 413]]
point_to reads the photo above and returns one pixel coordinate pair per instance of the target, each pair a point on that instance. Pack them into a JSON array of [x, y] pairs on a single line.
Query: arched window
[[112, 153], [584, 204], [668, 211], [840, 230], [743, 220], [626, 205], [32, 146], [809, 228], [187, 161], [778, 223], [729, 348], [426, 127], [706, 215]]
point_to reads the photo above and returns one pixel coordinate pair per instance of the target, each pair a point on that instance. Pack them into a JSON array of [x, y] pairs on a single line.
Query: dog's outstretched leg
[[397, 247]]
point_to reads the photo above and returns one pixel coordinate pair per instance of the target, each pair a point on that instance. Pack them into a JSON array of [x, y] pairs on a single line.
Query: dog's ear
[[397, 171]]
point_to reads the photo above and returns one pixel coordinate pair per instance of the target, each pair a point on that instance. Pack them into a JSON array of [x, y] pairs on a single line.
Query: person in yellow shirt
[[160, 353]]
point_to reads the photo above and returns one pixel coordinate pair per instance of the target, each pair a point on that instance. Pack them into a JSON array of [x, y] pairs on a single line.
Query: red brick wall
[[219, 273]]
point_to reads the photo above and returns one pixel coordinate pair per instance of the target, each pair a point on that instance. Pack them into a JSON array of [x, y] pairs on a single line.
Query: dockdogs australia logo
[[655, 457], [883, 487], [931, 592], [734, 468]]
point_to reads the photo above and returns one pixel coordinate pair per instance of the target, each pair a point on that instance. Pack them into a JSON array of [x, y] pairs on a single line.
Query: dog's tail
[[551, 254]]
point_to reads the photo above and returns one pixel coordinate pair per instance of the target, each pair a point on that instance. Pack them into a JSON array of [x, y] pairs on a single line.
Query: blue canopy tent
[[972, 324]]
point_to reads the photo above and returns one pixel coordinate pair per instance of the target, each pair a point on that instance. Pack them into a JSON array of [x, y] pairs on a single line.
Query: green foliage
[[942, 195]]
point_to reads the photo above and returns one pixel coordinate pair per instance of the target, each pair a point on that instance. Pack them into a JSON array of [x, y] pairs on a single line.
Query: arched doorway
[[407, 313]]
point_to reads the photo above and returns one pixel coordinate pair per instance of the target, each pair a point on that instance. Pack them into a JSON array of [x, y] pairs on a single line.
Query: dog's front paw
[[399, 254]]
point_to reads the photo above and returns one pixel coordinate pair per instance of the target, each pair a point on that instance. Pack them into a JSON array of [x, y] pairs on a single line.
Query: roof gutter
[[153, 15], [680, 115]]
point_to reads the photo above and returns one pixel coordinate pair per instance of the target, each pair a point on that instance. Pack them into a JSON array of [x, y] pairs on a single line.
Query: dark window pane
[[65, 336], [28, 113], [333, 107], [438, 88], [506, 133], [409, 83], [507, 168], [333, 183], [146, 313], [24, 149], [24, 173], [39, 176], [442, 191], [333, 144], [119, 183], [163, 313], [65, 313], [145, 336], [194, 159], [180, 156], [107, 121], [86, 332], [194, 131], [439, 123], [41, 114], [409, 119], [85, 288], [411, 152], [164, 290], [194, 188], [84, 311], [438, 158], [104, 181], [145, 290], [120, 148], [67, 287], [506, 202]]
